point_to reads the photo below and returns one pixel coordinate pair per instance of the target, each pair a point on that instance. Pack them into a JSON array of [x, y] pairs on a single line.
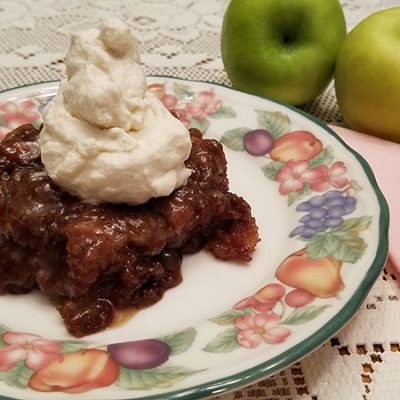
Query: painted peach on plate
[[78, 372], [318, 276]]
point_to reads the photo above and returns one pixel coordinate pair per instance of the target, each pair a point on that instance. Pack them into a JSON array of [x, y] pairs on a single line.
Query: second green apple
[[284, 49]]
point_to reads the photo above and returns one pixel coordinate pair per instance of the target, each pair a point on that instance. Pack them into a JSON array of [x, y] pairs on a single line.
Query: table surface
[[182, 38]]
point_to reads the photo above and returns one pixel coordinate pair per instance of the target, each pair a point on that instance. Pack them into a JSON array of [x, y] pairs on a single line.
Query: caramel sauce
[[121, 317]]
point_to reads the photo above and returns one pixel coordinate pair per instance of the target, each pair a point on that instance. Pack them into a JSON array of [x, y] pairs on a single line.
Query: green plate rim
[[323, 334]]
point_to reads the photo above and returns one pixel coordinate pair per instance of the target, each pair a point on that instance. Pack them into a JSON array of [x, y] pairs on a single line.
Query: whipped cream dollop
[[105, 139]]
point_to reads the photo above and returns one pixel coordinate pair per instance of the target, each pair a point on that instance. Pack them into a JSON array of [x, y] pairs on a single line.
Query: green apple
[[367, 77], [284, 49]]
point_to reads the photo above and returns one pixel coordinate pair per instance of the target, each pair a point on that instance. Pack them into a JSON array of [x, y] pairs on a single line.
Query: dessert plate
[[323, 223]]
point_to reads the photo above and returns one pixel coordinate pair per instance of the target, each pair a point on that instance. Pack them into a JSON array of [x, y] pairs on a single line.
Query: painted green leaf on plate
[[160, 377], [356, 225], [3, 330], [296, 196], [325, 156], [271, 169], [18, 376], [224, 112], [73, 345], [273, 121], [343, 245], [180, 341], [183, 91], [224, 342], [234, 138], [227, 317], [200, 124], [37, 123], [304, 314]]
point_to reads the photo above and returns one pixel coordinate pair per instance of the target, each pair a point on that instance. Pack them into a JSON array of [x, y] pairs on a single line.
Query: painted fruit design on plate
[[328, 230], [77, 372], [295, 146], [45, 365], [319, 277], [258, 142], [142, 354], [194, 109], [309, 176]]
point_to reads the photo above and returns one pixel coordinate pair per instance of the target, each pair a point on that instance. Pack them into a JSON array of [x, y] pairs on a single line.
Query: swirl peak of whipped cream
[[105, 138]]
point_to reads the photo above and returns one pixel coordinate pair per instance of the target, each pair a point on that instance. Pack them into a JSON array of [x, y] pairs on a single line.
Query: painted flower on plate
[[17, 114], [37, 352], [294, 175], [253, 329], [169, 101], [204, 104], [183, 116], [330, 176]]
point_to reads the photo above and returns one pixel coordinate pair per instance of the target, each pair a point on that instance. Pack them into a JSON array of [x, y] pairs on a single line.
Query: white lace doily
[[182, 38]]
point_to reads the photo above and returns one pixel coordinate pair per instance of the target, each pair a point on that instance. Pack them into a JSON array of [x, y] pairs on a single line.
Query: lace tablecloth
[[182, 38]]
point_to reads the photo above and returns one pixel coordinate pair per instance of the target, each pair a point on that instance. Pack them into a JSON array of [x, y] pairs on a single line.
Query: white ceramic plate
[[217, 330]]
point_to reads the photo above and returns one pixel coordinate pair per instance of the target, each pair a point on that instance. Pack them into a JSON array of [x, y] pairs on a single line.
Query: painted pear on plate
[[320, 276], [295, 146]]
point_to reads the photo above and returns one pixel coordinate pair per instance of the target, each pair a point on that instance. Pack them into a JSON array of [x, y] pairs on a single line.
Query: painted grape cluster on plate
[[328, 231]]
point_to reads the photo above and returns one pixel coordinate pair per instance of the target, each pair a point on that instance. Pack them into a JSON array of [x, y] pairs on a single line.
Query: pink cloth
[[384, 158]]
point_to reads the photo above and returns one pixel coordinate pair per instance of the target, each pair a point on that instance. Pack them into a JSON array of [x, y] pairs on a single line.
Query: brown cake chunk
[[92, 260]]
